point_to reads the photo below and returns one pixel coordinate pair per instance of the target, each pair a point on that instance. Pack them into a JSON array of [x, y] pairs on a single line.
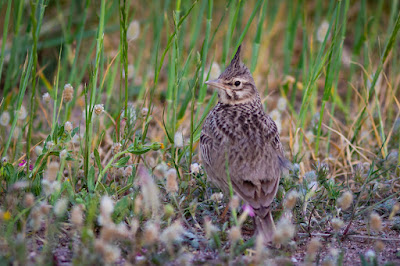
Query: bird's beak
[[217, 84]]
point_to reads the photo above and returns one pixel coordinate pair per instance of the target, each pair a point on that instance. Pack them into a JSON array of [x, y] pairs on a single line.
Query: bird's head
[[235, 85]]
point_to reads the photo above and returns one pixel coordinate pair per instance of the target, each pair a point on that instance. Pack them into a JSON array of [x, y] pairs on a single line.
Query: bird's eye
[[237, 83]]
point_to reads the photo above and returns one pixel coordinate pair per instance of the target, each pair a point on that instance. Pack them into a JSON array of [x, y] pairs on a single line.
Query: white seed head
[[77, 216], [60, 207], [395, 210], [22, 114], [284, 231], [281, 105], [46, 97], [345, 200], [337, 224], [68, 126], [116, 147], [138, 203], [38, 150], [68, 93], [379, 246], [5, 118], [322, 31], [290, 200], [313, 247], [106, 206], [52, 171], [29, 200], [133, 30], [376, 222], [172, 233], [275, 115], [235, 234], [370, 254], [134, 226], [310, 136], [150, 192], [144, 111], [128, 171], [209, 228], [178, 139], [234, 204], [161, 170], [151, 233], [16, 133], [172, 184], [217, 197]]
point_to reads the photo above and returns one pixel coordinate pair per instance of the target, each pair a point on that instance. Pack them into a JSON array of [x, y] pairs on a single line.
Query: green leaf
[[90, 179], [122, 162], [121, 209], [97, 158]]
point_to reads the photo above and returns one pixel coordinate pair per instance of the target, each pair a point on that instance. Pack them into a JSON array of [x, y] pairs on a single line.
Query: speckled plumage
[[239, 132]]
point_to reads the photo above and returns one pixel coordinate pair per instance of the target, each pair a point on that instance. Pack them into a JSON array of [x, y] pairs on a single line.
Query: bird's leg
[[223, 215]]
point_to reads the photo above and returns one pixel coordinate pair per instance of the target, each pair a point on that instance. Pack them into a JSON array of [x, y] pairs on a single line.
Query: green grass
[[122, 184]]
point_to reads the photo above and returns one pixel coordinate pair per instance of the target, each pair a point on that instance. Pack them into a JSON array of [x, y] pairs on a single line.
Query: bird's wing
[[257, 180]]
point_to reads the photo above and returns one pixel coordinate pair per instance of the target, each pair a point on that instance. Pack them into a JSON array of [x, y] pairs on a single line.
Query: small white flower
[[38, 150], [133, 30], [178, 139], [49, 145], [322, 31], [370, 254], [46, 97], [281, 105], [68, 126], [98, 109], [76, 139], [63, 154], [195, 168], [5, 118], [22, 114], [217, 197], [144, 111]]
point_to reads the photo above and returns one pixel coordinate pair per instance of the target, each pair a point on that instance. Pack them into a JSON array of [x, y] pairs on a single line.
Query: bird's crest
[[235, 67]]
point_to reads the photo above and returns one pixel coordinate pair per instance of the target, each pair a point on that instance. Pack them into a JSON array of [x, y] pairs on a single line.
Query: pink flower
[[30, 167], [247, 208], [22, 163]]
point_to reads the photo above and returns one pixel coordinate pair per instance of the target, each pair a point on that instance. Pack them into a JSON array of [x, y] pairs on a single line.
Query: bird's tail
[[265, 227]]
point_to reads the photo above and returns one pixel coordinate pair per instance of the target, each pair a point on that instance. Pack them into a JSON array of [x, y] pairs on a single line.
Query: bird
[[241, 142]]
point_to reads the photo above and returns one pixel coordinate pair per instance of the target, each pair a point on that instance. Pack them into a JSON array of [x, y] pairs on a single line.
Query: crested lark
[[239, 132]]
